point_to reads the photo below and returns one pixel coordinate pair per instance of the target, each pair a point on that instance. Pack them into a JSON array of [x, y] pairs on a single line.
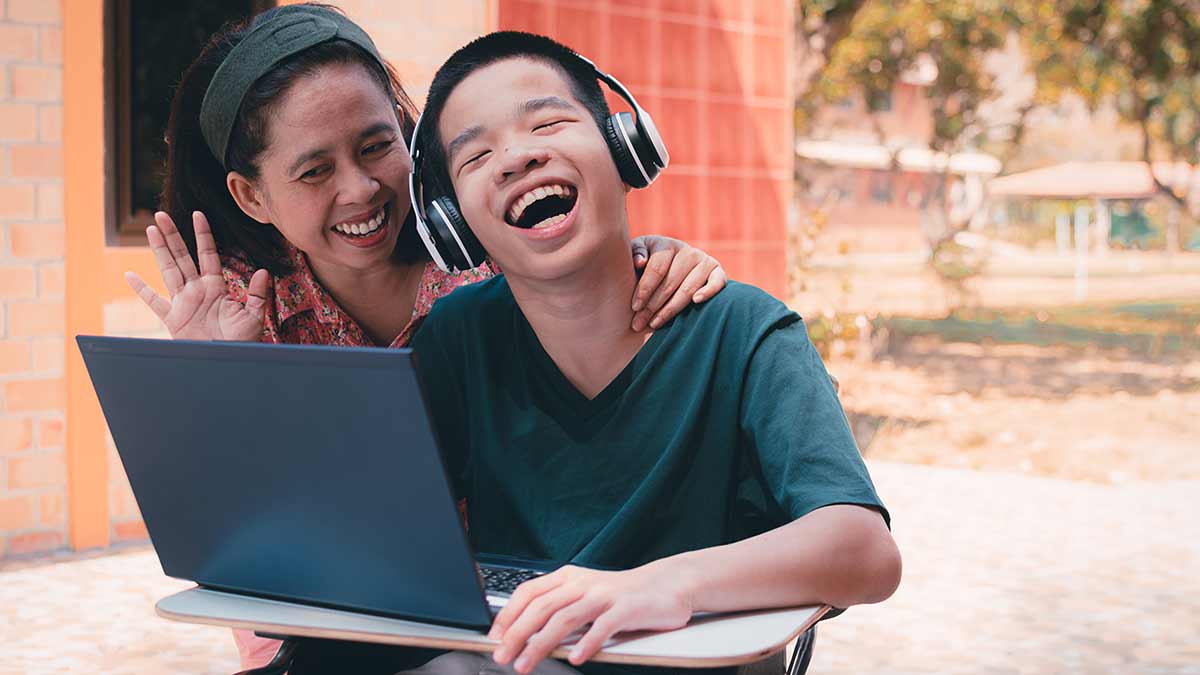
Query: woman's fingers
[[681, 264], [167, 266], [640, 254], [176, 245], [206, 246], [157, 303], [685, 294], [716, 282], [657, 267], [256, 297]]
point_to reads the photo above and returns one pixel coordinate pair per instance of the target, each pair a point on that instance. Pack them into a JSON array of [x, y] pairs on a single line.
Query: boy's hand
[[674, 275], [544, 611]]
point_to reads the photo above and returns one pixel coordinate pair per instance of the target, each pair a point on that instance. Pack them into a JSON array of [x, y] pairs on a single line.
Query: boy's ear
[[248, 197]]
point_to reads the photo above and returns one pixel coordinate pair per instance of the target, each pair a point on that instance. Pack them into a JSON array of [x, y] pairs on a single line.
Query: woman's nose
[[357, 187]]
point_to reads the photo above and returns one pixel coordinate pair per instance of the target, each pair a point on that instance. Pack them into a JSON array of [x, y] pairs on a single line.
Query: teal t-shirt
[[724, 425]]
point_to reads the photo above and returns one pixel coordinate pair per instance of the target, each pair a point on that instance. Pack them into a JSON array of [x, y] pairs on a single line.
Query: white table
[[706, 642]]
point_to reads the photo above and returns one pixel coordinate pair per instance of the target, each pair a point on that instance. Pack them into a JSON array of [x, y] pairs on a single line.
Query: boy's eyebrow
[[466, 136], [536, 104], [376, 128], [532, 105]]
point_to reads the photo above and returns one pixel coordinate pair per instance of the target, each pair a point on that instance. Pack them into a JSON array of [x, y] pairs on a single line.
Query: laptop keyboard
[[505, 579]]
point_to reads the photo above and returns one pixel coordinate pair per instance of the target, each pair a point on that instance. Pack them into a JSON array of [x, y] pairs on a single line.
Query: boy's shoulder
[[739, 305]]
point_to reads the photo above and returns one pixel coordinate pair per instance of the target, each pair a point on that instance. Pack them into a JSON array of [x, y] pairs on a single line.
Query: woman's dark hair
[[195, 179]]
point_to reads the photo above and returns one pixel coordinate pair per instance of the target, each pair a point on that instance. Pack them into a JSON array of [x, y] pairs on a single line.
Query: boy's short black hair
[[484, 51]]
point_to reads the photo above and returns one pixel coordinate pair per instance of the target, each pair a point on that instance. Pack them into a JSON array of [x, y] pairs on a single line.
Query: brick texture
[[18, 121], [16, 434], [33, 489], [36, 83], [45, 241], [35, 11]]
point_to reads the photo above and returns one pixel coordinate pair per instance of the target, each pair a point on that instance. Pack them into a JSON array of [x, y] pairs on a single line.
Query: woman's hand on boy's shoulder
[[545, 611], [674, 274]]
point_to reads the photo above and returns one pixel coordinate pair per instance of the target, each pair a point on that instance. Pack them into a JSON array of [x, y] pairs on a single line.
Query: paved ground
[[1004, 573]]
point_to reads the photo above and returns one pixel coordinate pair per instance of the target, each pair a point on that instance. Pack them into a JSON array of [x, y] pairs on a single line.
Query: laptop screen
[[296, 472]]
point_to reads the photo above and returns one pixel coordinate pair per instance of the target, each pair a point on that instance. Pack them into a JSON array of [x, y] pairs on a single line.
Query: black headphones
[[633, 141]]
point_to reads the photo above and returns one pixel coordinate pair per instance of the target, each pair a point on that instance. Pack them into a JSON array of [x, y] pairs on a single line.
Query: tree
[[949, 42], [1143, 56]]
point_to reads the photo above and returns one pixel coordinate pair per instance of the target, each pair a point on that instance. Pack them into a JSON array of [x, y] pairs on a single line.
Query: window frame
[[124, 226]]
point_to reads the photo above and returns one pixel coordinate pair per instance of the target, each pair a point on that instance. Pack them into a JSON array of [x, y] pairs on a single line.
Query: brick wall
[[716, 75], [32, 390]]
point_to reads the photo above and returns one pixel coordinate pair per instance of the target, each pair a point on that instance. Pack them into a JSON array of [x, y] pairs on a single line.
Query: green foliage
[[1140, 55], [947, 38]]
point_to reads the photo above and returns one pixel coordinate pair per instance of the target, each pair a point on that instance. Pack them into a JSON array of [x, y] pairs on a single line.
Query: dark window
[[881, 187], [149, 43], [879, 101]]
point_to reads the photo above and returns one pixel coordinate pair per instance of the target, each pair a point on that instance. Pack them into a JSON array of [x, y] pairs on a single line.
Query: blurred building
[[84, 90], [869, 167], [1102, 203]]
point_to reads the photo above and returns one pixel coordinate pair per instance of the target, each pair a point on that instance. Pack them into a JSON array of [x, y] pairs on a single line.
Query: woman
[[297, 154]]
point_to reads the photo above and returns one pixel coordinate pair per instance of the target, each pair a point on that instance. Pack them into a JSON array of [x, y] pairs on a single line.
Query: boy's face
[[532, 172]]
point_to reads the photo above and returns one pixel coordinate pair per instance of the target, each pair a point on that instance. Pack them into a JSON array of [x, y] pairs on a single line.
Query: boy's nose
[[518, 161]]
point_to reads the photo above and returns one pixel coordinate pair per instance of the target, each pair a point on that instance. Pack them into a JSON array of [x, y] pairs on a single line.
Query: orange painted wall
[[716, 75]]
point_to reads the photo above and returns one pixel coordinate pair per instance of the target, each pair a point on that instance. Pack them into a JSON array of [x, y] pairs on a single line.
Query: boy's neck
[[583, 320]]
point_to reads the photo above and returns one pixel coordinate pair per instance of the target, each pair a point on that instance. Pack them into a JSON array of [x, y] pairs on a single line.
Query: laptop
[[303, 473]]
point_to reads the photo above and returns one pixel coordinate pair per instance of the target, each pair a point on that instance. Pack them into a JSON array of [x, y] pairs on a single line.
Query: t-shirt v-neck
[[555, 392]]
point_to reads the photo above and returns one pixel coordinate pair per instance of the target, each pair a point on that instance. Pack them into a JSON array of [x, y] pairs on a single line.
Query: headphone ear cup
[[622, 154], [450, 230]]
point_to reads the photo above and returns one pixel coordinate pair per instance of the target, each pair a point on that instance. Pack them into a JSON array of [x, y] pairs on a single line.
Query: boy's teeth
[[533, 195], [552, 220]]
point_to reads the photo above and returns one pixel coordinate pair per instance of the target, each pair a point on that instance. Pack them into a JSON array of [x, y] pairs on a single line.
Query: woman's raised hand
[[200, 307]]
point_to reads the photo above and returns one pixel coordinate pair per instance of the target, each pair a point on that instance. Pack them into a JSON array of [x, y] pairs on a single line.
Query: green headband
[[291, 30]]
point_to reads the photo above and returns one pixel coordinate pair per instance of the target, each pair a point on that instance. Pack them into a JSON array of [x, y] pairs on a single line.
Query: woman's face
[[334, 176]]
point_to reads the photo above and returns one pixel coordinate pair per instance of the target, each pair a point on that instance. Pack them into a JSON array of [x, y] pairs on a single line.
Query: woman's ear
[[249, 198]]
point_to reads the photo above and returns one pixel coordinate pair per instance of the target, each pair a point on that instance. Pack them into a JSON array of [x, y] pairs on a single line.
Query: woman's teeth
[[360, 229], [552, 220]]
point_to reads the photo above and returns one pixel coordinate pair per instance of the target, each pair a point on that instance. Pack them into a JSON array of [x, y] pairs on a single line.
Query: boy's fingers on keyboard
[[521, 597], [603, 627], [561, 624], [532, 618]]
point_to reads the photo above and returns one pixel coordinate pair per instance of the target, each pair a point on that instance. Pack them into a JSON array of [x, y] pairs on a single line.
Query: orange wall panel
[[716, 75]]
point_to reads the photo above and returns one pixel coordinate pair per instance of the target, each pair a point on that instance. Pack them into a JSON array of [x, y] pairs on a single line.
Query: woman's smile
[[368, 230]]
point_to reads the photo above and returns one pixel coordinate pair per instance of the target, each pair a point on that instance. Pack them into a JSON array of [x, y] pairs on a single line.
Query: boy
[[708, 460]]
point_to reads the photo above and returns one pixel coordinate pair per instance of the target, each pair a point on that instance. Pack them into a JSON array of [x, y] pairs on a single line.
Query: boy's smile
[[532, 171]]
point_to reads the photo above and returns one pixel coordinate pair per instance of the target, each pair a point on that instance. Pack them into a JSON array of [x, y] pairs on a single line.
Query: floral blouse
[[303, 312]]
